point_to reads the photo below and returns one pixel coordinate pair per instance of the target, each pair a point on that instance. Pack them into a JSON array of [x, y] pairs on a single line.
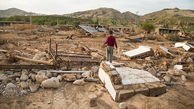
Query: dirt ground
[[70, 96]]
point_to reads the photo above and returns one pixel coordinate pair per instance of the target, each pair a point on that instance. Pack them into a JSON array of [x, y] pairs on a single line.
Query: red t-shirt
[[111, 41]]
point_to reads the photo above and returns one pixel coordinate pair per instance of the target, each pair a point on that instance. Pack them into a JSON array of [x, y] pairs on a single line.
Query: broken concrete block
[[125, 94], [142, 51], [123, 105], [92, 100], [178, 67], [132, 81], [80, 82], [185, 45], [156, 88], [51, 83]]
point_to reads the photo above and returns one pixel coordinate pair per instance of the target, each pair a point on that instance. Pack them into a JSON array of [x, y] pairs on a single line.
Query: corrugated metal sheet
[[88, 28]]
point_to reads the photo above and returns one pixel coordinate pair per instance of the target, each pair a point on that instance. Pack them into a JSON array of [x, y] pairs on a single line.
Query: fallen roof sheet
[[139, 51], [185, 45], [101, 29], [88, 28]]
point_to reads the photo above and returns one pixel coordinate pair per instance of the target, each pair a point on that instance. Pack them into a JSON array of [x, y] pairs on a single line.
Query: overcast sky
[[69, 6]]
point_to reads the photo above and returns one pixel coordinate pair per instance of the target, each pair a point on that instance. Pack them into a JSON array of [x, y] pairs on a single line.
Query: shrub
[[148, 27]]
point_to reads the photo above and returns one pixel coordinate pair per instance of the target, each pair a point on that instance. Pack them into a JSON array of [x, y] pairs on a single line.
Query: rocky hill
[[14, 11], [170, 15], [105, 13]]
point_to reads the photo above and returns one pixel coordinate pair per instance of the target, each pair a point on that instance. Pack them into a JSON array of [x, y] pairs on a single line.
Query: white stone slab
[[138, 51], [108, 85], [135, 76]]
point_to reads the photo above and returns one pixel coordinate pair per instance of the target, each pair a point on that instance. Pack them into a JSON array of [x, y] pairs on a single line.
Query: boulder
[[51, 83], [59, 77], [48, 74], [24, 85], [123, 105], [34, 87], [3, 77], [86, 74], [41, 77], [23, 77], [79, 82]]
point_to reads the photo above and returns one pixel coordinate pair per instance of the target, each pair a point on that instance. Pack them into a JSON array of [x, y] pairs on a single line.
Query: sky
[[139, 7]]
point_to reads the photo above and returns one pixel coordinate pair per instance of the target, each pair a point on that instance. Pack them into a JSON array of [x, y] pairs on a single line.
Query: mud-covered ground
[[70, 96]]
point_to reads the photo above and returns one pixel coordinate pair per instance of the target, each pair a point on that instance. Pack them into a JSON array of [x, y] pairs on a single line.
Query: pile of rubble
[[17, 83]]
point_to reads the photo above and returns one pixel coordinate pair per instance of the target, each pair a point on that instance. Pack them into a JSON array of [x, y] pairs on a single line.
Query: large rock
[[3, 77], [59, 77], [41, 77], [24, 85], [51, 83], [34, 87], [10, 90], [123, 105], [86, 74], [32, 76], [79, 82], [23, 77]]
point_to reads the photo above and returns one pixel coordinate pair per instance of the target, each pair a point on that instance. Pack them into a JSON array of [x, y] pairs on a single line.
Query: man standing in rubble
[[110, 42]]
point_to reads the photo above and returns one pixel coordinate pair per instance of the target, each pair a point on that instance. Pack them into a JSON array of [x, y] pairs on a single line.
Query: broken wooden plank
[[34, 61], [26, 66]]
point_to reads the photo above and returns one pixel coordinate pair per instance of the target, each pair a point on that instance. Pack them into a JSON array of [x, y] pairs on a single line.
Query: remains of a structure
[[88, 29], [124, 82], [9, 23], [142, 51], [185, 45], [162, 31], [164, 51]]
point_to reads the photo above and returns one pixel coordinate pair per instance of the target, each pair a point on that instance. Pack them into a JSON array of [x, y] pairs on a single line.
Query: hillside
[[106, 13], [169, 15], [14, 11]]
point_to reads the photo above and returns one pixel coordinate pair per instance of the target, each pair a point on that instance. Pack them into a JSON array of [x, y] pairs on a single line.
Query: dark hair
[[110, 32]]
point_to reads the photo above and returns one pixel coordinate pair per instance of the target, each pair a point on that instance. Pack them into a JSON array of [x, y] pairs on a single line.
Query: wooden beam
[[26, 67], [34, 61]]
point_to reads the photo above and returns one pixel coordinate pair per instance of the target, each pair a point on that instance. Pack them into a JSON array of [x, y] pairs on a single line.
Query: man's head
[[111, 32]]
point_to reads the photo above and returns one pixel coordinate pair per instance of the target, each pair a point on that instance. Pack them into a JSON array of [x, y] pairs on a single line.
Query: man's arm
[[115, 43], [106, 41]]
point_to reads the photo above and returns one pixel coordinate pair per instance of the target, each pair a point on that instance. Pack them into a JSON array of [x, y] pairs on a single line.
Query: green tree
[[148, 27]]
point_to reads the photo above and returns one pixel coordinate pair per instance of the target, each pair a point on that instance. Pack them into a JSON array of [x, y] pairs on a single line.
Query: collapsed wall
[[124, 82]]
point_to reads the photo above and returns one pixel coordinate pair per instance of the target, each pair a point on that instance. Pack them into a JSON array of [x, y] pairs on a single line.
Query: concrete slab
[[141, 51], [129, 82], [135, 76]]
